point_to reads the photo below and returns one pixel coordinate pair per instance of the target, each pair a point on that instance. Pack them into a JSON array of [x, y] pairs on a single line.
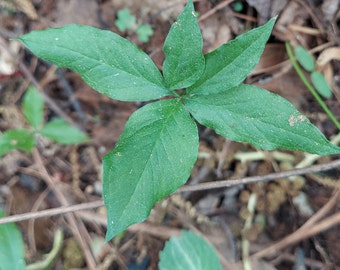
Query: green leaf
[[250, 114], [125, 21], [33, 106], [305, 59], [16, 139], [229, 65], [184, 60], [144, 32], [188, 251], [61, 132], [321, 84], [153, 157], [109, 63], [11, 246]]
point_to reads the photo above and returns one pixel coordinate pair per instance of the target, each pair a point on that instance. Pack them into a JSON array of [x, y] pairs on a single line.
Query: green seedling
[[159, 146], [125, 21], [319, 82], [307, 61], [57, 129], [188, 251]]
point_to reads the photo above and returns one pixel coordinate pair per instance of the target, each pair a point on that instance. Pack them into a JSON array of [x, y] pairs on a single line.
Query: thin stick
[[215, 9], [308, 229], [52, 212], [71, 219], [261, 178], [198, 187]]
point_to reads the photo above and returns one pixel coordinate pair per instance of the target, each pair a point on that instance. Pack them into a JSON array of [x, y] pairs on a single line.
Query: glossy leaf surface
[[184, 60], [109, 63], [250, 114], [230, 64], [154, 156]]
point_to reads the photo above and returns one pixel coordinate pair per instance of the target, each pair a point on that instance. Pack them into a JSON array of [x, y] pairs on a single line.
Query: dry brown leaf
[[27, 7], [330, 8], [327, 55]]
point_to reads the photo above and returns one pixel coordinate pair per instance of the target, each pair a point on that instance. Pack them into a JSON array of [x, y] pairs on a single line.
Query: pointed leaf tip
[[153, 157], [109, 63], [231, 63], [250, 114], [184, 60]]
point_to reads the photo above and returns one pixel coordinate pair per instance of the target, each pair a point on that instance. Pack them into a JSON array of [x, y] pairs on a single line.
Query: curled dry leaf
[[327, 55], [323, 63], [7, 63]]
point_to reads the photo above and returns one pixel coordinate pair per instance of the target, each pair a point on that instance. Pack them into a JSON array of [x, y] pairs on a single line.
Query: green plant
[[11, 246], [12, 249], [188, 251], [306, 60], [24, 139], [159, 146], [125, 21]]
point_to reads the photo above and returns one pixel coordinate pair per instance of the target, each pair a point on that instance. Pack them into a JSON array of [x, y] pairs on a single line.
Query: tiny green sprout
[[237, 6], [24, 139], [307, 61], [318, 80], [125, 21]]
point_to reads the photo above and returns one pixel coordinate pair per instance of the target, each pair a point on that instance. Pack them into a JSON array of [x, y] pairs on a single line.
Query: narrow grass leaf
[[109, 63], [230, 64], [11, 246], [320, 84], [153, 157], [33, 106], [61, 132], [16, 139], [188, 251], [184, 60], [250, 114]]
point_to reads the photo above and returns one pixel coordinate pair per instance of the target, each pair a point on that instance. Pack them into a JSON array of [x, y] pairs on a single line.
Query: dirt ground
[[278, 235]]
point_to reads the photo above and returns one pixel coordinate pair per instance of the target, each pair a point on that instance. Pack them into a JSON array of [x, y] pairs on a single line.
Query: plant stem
[[309, 86]]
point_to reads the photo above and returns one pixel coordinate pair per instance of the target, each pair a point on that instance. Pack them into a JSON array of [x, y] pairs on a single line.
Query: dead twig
[[261, 178], [311, 227], [77, 227], [215, 9], [198, 187], [52, 212]]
